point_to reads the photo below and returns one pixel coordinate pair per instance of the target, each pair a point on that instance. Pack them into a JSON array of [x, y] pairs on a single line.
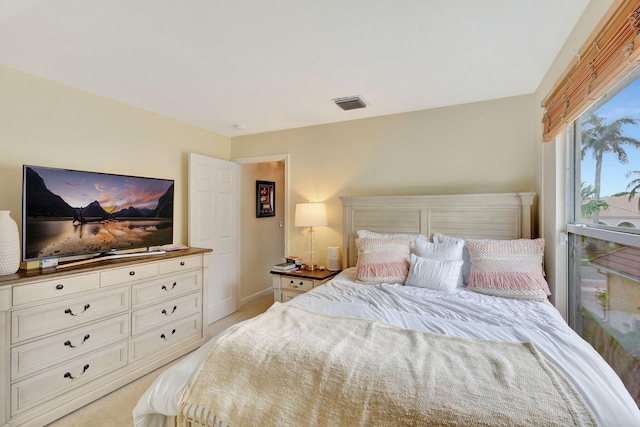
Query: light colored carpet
[[115, 408]]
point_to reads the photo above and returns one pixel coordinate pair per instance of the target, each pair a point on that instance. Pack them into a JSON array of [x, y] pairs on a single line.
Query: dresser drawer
[[133, 273], [149, 318], [29, 358], [170, 287], [65, 377], [35, 321], [295, 283], [162, 339], [64, 286], [175, 265]]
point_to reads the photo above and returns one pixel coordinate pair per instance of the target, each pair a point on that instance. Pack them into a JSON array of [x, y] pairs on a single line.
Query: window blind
[[611, 52]]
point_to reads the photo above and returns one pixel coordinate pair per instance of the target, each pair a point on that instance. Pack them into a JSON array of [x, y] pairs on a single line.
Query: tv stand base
[[105, 257]]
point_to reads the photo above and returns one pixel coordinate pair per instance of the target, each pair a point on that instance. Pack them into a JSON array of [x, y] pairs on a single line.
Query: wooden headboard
[[468, 216]]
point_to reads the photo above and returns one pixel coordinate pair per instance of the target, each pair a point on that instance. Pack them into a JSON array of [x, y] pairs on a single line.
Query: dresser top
[[23, 276]]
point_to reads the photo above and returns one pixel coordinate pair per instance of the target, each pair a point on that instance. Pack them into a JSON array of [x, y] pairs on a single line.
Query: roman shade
[[611, 52]]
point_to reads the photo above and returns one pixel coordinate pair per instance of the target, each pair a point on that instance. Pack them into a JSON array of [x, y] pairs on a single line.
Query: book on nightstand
[[285, 266]]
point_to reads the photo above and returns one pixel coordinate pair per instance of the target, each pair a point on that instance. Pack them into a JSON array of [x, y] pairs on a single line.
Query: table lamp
[[310, 215]]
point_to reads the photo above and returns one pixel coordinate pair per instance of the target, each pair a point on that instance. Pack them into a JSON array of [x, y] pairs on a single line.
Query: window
[[604, 227]]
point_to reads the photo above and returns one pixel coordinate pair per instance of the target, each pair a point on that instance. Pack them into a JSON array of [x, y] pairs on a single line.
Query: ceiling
[[240, 67]]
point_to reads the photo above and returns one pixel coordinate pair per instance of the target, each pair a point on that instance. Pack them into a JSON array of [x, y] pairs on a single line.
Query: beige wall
[[492, 146], [44, 123], [262, 239], [483, 147], [551, 160], [472, 148]]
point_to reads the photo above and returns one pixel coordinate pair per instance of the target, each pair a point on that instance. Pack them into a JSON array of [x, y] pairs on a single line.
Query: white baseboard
[[263, 293]]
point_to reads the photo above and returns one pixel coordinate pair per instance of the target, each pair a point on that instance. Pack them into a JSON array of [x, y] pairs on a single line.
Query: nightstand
[[289, 284]]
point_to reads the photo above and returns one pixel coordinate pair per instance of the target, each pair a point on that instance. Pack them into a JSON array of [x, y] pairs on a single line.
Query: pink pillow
[[382, 260], [508, 268]]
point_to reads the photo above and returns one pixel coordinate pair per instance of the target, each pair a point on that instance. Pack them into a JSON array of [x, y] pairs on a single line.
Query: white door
[[214, 212]]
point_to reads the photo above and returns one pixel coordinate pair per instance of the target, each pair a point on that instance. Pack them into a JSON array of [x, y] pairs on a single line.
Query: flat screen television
[[71, 212]]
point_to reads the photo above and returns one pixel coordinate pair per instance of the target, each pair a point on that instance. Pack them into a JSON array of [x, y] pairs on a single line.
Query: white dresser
[[74, 335]]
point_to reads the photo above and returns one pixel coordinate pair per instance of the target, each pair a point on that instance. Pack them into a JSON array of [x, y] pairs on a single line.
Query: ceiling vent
[[350, 102]]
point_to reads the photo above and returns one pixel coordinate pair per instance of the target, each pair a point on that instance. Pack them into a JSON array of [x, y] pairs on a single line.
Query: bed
[[539, 369]]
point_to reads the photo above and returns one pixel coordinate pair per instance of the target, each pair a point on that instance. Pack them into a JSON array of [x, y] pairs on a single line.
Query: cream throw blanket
[[293, 367]]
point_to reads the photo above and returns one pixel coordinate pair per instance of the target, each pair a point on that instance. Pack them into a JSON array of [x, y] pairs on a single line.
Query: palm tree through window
[[601, 138], [604, 268]]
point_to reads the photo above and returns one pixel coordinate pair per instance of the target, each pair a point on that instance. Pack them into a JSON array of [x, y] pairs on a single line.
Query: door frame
[[265, 159]]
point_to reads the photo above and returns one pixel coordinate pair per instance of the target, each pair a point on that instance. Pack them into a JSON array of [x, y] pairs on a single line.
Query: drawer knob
[[68, 374], [59, 287], [181, 263], [175, 307], [132, 273], [68, 343], [164, 337], [172, 286], [69, 311]]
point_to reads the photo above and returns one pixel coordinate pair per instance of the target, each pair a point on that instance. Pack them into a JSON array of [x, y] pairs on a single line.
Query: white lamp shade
[[310, 214]]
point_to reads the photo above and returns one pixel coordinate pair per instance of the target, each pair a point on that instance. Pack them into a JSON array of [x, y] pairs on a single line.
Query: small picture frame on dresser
[[265, 199]]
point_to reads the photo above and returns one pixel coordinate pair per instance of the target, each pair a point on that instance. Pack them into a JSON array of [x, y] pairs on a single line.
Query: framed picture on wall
[[265, 199]]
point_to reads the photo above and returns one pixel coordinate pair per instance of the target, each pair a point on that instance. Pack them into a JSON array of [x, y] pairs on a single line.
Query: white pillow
[[420, 241], [438, 275], [450, 251], [466, 266]]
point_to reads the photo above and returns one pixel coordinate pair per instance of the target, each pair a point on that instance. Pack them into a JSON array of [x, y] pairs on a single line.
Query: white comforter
[[462, 313]]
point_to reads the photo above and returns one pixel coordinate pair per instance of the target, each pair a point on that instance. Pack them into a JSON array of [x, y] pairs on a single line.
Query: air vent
[[350, 102]]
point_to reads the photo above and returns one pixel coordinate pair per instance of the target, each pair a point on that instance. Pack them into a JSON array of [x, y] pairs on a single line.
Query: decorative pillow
[[508, 268], [367, 233], [416, 239], [382, 260], [438, 275], [450, 251], [466, 266]]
